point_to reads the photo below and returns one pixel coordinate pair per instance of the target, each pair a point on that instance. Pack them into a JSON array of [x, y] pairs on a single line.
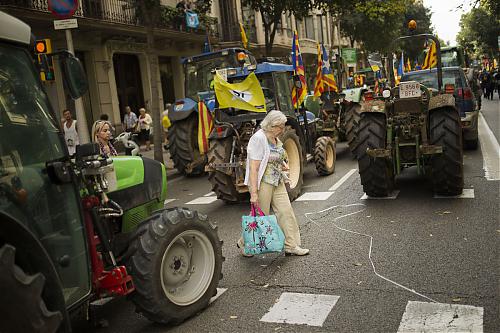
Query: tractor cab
[[39, 204]]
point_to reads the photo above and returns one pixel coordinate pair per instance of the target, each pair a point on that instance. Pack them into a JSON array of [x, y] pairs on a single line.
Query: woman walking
[[101, 134], [145, 122], [266, 175]]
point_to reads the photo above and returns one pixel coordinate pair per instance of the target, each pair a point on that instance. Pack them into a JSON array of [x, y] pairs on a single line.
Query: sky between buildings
[[446, 17]]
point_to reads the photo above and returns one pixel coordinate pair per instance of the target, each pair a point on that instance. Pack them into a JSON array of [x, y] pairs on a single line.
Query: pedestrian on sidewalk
[[129, 120], [266, 176], [101, 134], [145, 122], [70, 132], [165, 122]]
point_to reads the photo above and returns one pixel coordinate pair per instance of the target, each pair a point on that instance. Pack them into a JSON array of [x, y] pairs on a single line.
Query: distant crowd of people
[[490, 81], [103, 131]]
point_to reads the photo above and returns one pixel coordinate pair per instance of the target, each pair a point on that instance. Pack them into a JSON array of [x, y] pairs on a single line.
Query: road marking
[[467, 193], [202, 201], [342, 180], [220, 291], [316, 196], [301, 309], [490, 149], [440, 317], [166, 202], [209, 194], [392, 196]]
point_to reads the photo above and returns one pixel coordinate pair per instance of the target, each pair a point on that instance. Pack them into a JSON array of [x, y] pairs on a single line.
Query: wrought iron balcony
[[124, 12]]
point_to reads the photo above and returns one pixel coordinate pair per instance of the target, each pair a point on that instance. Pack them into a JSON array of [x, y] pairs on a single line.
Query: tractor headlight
[[386, 93]]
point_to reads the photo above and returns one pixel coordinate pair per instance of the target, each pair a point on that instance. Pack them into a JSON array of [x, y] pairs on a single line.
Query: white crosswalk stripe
[[440, 317], [301, 309], [313, 310], [392, 196], [314, 196], [468, 193]]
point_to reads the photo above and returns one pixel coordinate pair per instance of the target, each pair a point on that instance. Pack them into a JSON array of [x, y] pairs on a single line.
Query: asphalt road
[[423, 249]]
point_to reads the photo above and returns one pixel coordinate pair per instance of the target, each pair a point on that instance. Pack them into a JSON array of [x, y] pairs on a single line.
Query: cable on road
[[364, 235]]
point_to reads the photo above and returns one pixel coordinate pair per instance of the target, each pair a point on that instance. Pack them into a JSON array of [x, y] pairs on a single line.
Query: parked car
[[464, 97]]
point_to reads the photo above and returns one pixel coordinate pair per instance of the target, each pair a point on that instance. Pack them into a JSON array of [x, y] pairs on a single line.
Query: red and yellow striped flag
[[431, 57], [318, 87], [205, 125]]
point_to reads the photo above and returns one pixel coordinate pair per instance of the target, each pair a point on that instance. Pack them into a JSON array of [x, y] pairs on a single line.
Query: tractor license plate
[[409, 89]]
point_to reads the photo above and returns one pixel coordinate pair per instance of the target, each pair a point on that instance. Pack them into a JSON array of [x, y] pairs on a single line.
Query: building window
[[310, 28], [319, 19]]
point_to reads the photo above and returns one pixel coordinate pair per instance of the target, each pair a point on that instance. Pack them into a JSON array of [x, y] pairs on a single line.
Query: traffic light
[[43, 49]]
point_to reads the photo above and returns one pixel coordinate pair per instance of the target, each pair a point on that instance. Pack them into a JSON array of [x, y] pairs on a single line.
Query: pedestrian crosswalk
[[314, 309]]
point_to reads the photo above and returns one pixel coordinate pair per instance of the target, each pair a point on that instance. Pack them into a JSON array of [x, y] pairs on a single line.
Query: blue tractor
[[303, 139], [199, 72]]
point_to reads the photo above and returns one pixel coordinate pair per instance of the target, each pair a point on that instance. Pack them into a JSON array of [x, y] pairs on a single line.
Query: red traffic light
[[43, 46]]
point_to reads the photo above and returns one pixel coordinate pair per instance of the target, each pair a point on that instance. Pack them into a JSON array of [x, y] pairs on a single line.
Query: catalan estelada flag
[[318, 86], [205, 125], [298, 95], [431, 57], [329, 83]]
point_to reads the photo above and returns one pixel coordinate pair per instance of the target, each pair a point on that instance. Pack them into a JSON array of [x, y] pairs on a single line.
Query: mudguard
[[182, 109], [442, 100], [375, 105], [185, 106]]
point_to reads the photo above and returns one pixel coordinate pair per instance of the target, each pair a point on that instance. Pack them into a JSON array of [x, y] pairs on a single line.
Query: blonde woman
[[101, 134], [266, 175]]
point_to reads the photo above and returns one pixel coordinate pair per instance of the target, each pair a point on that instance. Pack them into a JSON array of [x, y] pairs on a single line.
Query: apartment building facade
[[111, 42]]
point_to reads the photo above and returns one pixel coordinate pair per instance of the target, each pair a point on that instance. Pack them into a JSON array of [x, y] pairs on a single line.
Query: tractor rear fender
[[375, 105], [33, 258], [182, 109], [440, 101]]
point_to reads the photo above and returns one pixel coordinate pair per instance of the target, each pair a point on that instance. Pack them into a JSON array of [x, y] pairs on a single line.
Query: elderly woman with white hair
[[265, 178]]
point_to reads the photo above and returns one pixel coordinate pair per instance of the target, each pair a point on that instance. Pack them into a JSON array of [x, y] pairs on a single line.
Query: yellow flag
[[431, 57], [245, 95], [244, 38]]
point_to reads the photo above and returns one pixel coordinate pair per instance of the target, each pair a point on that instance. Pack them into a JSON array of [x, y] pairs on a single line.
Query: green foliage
[[479, 31], [271, 11]]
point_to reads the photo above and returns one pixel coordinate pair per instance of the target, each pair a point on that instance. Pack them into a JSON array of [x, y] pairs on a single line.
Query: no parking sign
[[63, 8]]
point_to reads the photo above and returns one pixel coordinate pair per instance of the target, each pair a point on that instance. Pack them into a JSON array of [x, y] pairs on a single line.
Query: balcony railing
[[124, 12]]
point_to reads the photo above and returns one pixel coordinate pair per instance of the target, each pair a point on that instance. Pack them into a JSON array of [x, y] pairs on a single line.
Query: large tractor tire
[[223, 184], [175, 266], [291, 144], [183, 147], [377, 176], [325, 156], [22, 307], [352, 116], [447, 168]]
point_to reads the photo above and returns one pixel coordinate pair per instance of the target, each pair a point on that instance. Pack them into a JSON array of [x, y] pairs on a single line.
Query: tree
[[271, 11], [150, 11], [479, 32], [373, 23]]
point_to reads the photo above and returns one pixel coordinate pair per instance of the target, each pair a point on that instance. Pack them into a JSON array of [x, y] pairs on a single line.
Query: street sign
[[349, 55], [63, 8], [65, 24]]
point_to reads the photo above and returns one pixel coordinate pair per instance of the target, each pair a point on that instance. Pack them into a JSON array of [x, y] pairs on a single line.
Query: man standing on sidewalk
[[129, 120]]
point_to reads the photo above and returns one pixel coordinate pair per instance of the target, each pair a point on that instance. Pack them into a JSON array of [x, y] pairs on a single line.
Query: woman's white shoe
[[296, 251]]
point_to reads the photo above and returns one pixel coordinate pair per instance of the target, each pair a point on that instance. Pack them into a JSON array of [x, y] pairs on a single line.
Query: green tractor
[[411, 125], [303, 138], [75, 231]]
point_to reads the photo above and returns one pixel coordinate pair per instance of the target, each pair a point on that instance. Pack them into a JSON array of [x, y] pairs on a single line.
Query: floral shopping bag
[[261, 233]]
